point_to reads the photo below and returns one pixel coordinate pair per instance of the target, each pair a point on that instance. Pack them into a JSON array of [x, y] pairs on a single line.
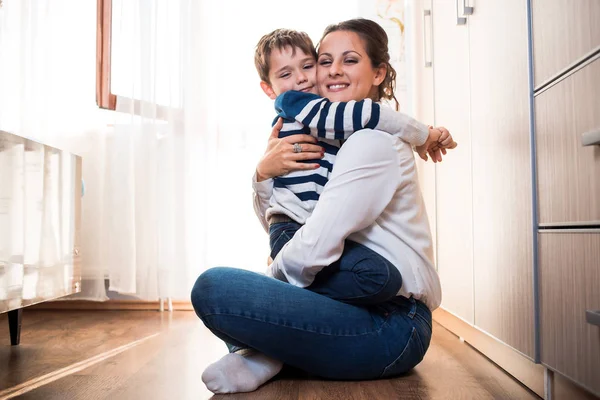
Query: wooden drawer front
[[568, 173], [570, 285], [563, 32]]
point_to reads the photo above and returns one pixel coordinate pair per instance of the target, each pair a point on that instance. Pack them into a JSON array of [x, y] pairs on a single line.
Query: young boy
[[286, 63]]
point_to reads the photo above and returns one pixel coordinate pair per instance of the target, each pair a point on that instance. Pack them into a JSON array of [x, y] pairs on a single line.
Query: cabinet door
[[502, 190], [569, 287], [453, 175], [563, 32], [421, 89], [569, 173]]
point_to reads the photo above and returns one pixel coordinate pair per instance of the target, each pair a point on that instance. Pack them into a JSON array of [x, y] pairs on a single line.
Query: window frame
[[105, 99]]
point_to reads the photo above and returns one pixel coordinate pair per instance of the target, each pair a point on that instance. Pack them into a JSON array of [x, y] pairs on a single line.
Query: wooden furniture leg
[[14, 325]]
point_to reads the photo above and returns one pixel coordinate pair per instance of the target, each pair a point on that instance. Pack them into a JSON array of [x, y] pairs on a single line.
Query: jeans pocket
[[411, 355], [278, 242]]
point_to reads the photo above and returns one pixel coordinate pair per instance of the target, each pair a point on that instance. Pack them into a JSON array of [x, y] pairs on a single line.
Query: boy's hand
[[438, 141]]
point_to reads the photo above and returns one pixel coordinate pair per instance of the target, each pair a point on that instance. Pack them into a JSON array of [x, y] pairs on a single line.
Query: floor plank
[[53, 340], [169, 365]]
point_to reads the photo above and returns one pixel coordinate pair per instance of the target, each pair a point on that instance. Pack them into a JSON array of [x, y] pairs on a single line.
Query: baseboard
[[521, 368], [130, 305]]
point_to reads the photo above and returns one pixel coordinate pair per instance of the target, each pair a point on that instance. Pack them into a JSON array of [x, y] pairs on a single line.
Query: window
[[140, 57]]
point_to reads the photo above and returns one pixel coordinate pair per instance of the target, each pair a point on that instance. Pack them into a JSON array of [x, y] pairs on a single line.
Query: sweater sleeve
[[360, 188], [339, 120], [261, 195]]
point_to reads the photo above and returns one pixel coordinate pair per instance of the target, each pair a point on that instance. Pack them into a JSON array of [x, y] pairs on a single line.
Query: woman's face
[[344, 70]]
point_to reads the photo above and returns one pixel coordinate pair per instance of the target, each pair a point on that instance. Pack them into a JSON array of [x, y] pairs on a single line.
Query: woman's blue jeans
[[310, 331]]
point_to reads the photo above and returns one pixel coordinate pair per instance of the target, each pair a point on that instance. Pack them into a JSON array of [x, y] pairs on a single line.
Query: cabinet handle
[[427, 13], [460, 20], [593, 317], [591, 138], [466, 11]]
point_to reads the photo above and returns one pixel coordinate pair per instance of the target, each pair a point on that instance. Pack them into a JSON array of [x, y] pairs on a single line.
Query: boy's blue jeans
[[309, 331], [360, 276]]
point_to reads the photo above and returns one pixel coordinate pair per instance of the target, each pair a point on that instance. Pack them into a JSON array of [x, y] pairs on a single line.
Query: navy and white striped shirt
[[297, 193]]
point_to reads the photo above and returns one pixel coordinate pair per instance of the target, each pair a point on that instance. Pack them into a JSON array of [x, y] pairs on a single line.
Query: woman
[[373, 198]]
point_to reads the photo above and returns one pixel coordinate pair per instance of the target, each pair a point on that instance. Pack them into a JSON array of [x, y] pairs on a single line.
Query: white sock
[[235, 373]]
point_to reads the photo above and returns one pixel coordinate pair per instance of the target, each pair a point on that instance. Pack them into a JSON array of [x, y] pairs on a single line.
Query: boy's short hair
[[279, 39]]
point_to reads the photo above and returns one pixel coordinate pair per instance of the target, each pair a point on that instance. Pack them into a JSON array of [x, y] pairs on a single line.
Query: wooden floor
[[152, 355]]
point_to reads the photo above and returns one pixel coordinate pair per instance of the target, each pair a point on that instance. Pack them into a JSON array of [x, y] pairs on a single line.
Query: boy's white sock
[[235, 373]]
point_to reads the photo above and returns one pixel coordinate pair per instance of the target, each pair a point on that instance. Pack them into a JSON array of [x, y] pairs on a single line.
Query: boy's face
[[290, 72]]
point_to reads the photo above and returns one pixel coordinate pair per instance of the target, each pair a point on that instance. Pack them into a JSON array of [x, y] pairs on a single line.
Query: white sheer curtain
[[156, 188], [180, 198], [167, 178]]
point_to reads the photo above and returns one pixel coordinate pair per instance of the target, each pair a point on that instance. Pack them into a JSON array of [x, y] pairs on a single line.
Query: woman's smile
[[336, 87]]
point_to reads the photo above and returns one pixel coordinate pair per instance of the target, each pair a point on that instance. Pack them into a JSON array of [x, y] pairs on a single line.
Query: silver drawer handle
[[460, 20], [593, 317], [427, 13], [591, 138], [466, 11]]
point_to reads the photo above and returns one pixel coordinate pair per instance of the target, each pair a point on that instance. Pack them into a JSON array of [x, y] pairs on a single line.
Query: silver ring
[[297, 148]]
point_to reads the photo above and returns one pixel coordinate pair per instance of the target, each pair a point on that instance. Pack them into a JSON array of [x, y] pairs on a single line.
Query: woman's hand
[[437, 143], [280, 158]]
